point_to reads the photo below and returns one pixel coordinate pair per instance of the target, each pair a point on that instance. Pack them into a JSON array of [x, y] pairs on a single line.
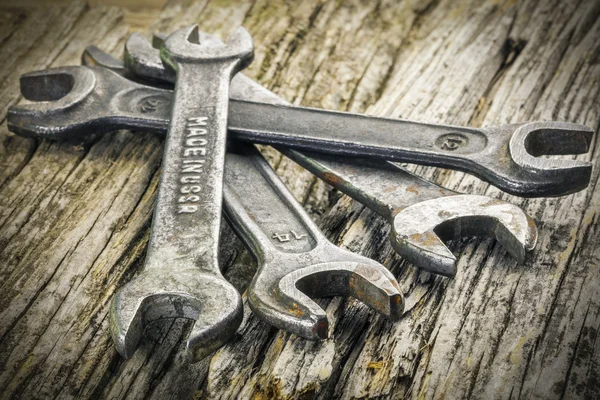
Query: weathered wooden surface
[[74, 219]]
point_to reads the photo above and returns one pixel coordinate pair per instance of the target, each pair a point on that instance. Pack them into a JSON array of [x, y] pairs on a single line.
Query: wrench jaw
[[282, 305], [185, 45], [214, 304], [286, 303], [54, 98], [554, 176], [418, 230]]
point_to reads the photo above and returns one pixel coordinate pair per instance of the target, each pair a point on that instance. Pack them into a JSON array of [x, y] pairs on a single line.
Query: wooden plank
[[74, 219]]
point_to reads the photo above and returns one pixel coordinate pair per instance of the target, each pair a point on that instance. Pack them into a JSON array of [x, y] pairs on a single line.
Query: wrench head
[[418, 230], [94, 57], [144, 60], [534, 139], [54, 98], [214, 304], [185, 46], [285, 301], [77, 103]]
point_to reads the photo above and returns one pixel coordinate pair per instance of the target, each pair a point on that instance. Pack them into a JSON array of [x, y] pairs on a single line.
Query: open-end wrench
[[181, 276], [421, 212], [295, 259], [506, 156], [518, 235]]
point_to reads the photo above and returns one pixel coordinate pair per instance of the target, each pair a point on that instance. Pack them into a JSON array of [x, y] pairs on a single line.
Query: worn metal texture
[[422, 213], [181, 275]]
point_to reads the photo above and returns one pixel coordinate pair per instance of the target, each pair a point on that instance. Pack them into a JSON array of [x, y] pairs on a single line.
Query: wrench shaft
[[380, 185], [265, 212], [188, 210]]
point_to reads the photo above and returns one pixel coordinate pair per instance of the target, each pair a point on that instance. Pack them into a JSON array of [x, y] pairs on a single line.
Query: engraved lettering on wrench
[[151, 105], [285, 237], [191, 168], [452, 141]]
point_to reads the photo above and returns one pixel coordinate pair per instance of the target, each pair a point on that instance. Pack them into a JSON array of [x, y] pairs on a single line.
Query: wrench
[[391, 191], [295, 259], [517, 233], [506, 156], [181, 276]]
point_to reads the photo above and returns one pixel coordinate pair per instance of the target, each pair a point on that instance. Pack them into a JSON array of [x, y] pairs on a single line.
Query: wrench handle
[[261, 209], [186, 224], [358, 135], [382, 186]]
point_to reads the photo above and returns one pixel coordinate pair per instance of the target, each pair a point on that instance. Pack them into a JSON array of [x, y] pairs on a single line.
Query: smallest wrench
[[296, 261]]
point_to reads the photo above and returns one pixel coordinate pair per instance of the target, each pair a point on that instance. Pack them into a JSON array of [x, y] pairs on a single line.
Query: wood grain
[[74, 219]]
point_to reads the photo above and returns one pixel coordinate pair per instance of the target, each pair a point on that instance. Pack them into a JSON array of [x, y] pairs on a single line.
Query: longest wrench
[[181, 276], [507, 156]]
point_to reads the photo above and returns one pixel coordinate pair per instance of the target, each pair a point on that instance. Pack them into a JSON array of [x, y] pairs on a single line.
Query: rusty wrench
[[181, 275], [296, 261]]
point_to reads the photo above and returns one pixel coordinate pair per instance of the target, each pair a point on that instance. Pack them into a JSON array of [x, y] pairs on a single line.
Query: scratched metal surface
[[74, 220]]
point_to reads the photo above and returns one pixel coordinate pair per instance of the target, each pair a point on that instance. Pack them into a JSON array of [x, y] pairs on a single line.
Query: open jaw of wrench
[[506, 156], [438, 258], [295, 260], [181, 276], [421, 213]]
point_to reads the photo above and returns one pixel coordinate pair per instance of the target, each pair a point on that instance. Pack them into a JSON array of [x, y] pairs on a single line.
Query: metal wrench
[[506, 156], [391, 191], [181, 275], [295, 259]]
